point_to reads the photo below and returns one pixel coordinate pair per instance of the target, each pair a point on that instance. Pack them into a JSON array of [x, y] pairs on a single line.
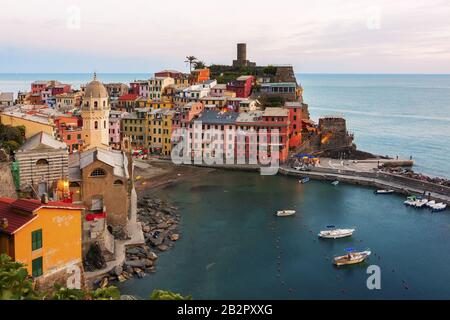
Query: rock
[[148, 263], [146, 229], [104, 282], [163, 247], [133, 251], [135, 263], [128, 297], [121, 278], [153, 256], [94, 259], [116, 271], [175, 237]]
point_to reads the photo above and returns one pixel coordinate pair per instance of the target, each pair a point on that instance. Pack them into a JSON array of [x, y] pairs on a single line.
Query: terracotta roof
[[31, 205], [15, 220], [128, 96]]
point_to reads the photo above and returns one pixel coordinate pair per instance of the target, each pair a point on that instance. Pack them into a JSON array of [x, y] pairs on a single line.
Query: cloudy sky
[[323, 36]]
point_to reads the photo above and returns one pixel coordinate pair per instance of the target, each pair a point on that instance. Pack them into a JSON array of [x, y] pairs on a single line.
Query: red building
[[135, 87], [60, 89], [199, 76], [169, 73], [128, 102], [296, 117], [242, 86], [68, 130]]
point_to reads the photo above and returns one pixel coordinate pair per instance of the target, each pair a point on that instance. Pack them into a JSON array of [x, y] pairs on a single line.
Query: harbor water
[[234, 247]]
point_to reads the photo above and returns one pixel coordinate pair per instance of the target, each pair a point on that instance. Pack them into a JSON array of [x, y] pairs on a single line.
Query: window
[[36, 240], [69, 137], [79, 136], [118, 183], [42, 162], [96, 125], [95, 104], [98, 173], [36, 266]]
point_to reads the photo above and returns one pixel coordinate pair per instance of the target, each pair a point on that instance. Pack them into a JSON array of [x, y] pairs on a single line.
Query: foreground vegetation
[[16, 284]]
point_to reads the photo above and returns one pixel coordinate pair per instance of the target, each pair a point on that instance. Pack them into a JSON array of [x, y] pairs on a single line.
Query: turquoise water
[[229, 247], [404, 115]]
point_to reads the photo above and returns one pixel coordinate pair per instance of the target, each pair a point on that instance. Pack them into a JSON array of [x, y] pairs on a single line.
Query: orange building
[[199, 76], [45, 236]]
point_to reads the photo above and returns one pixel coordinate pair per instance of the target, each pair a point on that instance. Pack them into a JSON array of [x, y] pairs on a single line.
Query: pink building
[[115, 118]]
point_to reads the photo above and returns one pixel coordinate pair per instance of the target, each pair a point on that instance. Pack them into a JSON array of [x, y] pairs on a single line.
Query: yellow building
[[161, 104], [33, 124], [160, 131], [135, 127], [45, 236]]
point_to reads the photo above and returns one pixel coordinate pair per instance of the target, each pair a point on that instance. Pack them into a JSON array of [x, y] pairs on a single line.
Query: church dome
[[95, 89]]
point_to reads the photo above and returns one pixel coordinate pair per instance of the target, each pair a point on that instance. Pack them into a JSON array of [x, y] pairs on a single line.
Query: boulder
[[153, 256], [163, 247], [175, 237], [135, 263], [116, 271]]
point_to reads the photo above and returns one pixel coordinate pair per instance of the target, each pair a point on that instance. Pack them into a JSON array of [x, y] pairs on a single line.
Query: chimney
[[44, 198], [4, 223]]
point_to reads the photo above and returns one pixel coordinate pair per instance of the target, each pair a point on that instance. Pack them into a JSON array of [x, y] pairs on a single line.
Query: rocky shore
[[159, 221]]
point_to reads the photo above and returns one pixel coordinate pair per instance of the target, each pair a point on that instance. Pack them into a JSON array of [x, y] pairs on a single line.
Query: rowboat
[[431, 203], [384, 191], [336, 233], [285, 213], [421, 203], [411, 201], [352, 258], [439, 207]]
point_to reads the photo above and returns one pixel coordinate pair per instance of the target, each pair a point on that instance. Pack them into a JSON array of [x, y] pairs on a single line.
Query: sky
[[321, 36]]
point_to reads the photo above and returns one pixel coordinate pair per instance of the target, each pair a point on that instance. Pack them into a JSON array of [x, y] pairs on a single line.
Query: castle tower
[[95, 114]]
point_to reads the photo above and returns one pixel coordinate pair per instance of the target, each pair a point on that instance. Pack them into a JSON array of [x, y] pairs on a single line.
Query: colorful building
[[33, 123], [242, 86], [128, 102], [199, 76], [46, 237], [135, 126], [69, 130], [157, 86]]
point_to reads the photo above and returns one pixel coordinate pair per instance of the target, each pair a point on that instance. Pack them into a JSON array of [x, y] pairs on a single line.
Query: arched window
[[104, 124], [104, 103], [98, 173], [95, 104], [118, 183], [42, 162], [87, 104], [96, 125]]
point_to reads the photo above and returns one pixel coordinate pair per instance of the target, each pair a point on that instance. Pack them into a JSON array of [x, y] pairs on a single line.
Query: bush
[[167, 295], [15, 284]]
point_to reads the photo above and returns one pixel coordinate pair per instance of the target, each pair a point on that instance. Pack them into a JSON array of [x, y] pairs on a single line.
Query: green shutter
[[37, 267], [36, 240]]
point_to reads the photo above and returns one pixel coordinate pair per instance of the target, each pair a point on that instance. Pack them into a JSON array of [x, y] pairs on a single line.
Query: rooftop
[[275, 112], [218, 117], [42, 140]]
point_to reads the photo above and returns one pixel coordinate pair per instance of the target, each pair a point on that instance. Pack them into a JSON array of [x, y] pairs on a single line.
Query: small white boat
[[411, 201], [421, 203], [352, 258], [384, 191], [431, 203], [285, 213], [336, 233], [439, 207], [335, 183]]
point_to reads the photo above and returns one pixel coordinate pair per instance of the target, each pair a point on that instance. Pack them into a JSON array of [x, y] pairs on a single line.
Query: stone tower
[[95, 114]]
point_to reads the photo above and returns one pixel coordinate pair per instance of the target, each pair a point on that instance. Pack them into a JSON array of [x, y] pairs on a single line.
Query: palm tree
[[190, 60]]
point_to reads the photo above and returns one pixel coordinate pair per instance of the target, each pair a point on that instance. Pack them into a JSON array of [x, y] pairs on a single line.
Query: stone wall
[[7, 187]]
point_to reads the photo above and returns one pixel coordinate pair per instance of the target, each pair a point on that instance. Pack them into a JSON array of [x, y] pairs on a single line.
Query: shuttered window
[[37, 267], [36, 240]]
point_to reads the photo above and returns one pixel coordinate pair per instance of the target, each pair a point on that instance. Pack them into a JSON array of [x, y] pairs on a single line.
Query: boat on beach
[[333, 233], [285, 213], [351, 258], [384, 191]]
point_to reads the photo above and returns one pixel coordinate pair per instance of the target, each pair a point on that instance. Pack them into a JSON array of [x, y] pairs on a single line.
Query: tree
[[190, 60], [199, 65], [108, 293], [15, 284], [11, 138], [167, 295]]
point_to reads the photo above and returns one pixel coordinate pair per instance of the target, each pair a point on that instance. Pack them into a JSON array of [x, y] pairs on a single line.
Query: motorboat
[[411, 201], [438, 207], [335, 183], [431, 203], [333, 233], [351, 258], [421, 203], [384, 191], [304, 180], [285, 213]]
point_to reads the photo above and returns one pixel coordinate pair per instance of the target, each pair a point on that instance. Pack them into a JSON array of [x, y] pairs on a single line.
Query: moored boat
[[351, 258], [411, 201], [304, 180], [285, 213], [438, 207], [336, 233], [384, 191], [421, 203]]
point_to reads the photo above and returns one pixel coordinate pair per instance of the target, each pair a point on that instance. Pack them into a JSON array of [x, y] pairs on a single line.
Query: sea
[[394, 115], [232, 245]]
